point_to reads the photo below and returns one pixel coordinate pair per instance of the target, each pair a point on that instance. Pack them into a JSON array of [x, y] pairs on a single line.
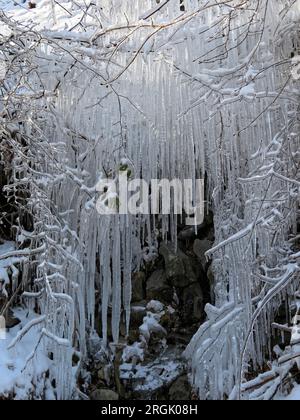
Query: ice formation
[[160, 90]]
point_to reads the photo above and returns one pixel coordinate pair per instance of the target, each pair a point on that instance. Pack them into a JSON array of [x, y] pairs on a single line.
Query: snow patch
[[15, 378]]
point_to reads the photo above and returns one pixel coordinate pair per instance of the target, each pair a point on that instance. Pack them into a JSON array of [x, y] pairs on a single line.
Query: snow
[[43, 16], [151, 325], [294, 395], [7, 264], [248, 90], [155, 306], [134, 352], [16, 378], [151, 12], [6, 247], [147, 379]]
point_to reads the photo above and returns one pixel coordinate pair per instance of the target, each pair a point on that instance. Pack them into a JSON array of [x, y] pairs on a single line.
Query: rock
[[206, 228], [180, 389], [138, 286], [101, 375], [167, 321], [118, 360], [10, 320], [151, 326], [179, 268], [31, 5], [174, 265], [192, 303], [134, 335], [187, 234], [104, 375], [158, 287], [137, 315], [158, 374], [95, 347], [200, 248], [155, 306], [104, 395], [209, 219], [178, 339]]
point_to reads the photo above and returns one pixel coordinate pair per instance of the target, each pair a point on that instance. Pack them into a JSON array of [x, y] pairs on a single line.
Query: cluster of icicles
[[170, 117]]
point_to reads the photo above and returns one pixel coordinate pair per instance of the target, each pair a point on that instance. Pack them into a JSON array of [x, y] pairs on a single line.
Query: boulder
[[168, 320], [137, 315], [138, 286], [101, 375], [134, 335], [200, 248], [189, 233], [174, 265], [155, 306], [179, 268], [158, 287], [10, 320], [180, 390], [104, 395], [31, 5], [192, 303], [104, 375]]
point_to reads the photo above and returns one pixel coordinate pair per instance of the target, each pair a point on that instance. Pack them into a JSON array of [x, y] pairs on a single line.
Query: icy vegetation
[[156, 89], [14, 372]]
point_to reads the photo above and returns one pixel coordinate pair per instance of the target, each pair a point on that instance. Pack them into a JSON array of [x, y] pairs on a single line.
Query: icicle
[[116, 284]]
